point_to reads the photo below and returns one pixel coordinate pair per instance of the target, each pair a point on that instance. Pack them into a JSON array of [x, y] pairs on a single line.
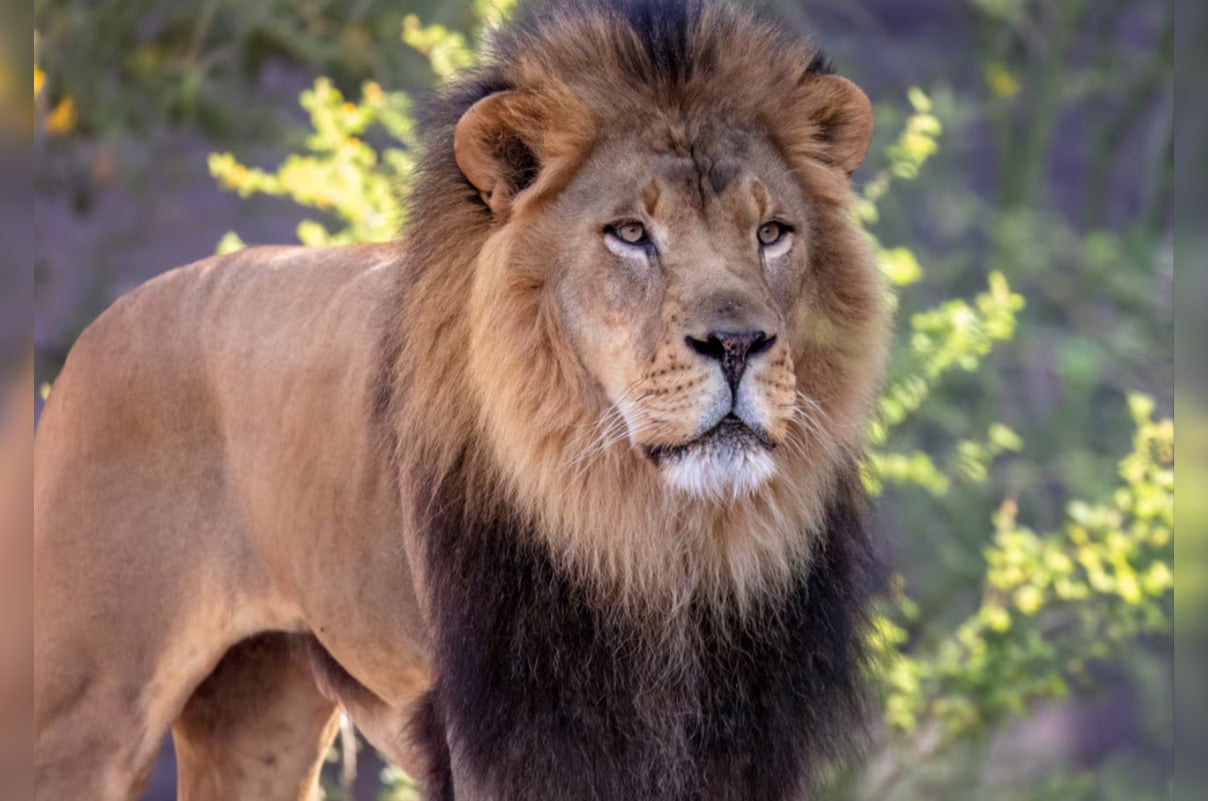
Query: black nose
[[733, 349]]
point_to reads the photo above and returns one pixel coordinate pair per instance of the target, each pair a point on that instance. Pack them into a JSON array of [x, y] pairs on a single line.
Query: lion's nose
[[733, 349]]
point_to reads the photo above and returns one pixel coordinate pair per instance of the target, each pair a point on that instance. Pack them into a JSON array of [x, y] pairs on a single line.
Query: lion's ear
[[842, 118], [509, 141]]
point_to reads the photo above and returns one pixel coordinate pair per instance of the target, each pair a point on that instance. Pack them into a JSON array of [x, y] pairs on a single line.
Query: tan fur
[[206, 472], [242, 446]]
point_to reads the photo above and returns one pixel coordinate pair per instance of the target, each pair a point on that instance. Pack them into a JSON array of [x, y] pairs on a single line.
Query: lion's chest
[[546, 694]]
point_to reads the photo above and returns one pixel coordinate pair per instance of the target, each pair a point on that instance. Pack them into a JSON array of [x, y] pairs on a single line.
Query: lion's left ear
[[844, 113], [839, 119], [512, 142]]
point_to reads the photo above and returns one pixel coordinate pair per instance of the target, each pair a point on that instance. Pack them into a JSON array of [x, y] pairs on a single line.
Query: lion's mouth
[[730, 435]]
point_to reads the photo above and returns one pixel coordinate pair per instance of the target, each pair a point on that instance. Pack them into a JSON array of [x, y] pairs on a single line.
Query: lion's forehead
[[700, 162]]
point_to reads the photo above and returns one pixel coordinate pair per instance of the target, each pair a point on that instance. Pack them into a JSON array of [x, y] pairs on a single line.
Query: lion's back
[[173, 395], [161, 357]]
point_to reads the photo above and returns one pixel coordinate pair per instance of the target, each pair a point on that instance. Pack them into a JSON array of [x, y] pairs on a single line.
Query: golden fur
[[232, 467]]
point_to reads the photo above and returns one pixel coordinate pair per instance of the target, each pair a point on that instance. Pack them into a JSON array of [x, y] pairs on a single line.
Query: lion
[[556, 497]]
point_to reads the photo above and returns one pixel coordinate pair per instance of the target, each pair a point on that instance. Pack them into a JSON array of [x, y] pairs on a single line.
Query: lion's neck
[[546, 685], [643, 545]]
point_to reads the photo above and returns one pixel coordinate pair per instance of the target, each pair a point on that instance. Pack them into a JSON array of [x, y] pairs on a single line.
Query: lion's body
[[205, 491], [558, 500]]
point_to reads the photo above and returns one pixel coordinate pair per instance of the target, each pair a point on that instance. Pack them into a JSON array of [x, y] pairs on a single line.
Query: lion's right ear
[[511, 141]]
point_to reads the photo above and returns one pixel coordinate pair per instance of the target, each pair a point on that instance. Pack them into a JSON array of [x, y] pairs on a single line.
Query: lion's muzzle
[[732, 350]]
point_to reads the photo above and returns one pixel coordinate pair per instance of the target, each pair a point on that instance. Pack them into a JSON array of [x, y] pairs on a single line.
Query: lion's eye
[[771, 232], [631, 233]]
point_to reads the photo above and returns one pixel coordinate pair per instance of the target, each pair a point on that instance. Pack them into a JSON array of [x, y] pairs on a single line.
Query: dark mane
[[548, 694], [673, 46]]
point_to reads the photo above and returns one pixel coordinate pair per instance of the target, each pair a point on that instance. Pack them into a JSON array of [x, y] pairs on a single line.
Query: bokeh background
[[1018, 192]]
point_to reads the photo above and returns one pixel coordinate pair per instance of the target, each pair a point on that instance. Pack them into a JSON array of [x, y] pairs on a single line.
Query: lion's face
[[707, 279], [678, 280], [675, 329]]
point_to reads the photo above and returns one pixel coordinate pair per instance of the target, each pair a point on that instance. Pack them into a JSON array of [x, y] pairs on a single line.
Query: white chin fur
[[719, 474]]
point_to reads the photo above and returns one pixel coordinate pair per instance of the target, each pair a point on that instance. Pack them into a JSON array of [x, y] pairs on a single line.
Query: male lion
[[557, 497]]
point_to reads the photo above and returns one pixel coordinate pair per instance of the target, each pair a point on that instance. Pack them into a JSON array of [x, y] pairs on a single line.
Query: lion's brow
[[722, 174]]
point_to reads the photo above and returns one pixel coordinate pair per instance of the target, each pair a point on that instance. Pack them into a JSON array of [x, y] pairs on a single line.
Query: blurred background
[[1018, 190]]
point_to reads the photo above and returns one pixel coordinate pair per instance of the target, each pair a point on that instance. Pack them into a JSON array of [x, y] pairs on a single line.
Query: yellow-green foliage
[[955, 334], [1053, 602], [340, 174]]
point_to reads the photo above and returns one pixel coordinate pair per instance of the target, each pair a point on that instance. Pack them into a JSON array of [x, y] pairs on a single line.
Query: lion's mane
[[583, 648]]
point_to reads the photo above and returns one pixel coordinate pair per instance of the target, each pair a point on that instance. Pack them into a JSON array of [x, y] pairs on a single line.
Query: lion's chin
[[727, 463]]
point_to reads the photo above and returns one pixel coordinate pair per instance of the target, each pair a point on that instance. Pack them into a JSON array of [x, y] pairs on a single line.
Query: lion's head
[[637, 301]]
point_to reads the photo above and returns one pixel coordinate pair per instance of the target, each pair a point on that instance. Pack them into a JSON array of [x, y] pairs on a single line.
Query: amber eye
[[771, 232], [631, 233]]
